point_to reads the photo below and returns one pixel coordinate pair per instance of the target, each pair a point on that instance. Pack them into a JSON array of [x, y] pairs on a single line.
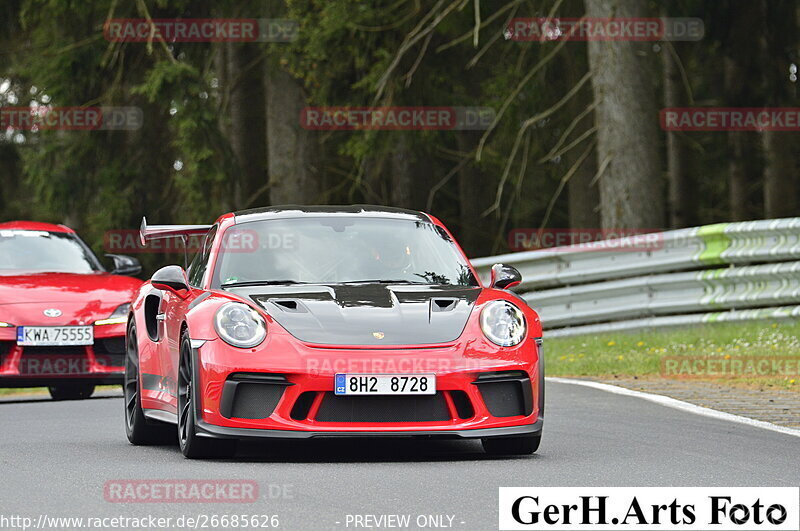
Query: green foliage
[[180, 166]]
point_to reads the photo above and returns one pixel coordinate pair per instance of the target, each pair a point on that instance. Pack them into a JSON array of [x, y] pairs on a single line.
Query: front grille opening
[[303, 405], [255, 400], [54, 351], [463, 405], [428, 408], [110, 345], [5, 348], [504, 399], [252, 395], [506, 393], [110, 351]]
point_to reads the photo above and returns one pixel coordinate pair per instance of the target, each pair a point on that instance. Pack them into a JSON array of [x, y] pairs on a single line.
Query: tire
[[71, 391], [511, 445], [192, 446], [139, 430]]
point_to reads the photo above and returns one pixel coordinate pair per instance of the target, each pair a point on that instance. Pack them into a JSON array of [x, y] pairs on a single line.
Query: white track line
[[679, 404]]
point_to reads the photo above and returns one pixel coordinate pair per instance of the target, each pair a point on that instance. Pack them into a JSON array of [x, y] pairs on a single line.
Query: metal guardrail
[[602, 287], [740, 243]]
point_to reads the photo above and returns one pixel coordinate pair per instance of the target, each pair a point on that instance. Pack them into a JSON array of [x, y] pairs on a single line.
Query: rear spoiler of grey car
[[159, 232]]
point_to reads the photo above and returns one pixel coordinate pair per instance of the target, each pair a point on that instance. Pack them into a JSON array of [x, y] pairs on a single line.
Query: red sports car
[[358, 321], [62, 316]]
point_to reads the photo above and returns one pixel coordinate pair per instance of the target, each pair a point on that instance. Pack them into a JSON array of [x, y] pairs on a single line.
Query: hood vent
[[443, 304], [286, 305]]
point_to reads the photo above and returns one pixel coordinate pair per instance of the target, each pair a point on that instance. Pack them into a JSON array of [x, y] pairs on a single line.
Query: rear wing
[[159, 232]]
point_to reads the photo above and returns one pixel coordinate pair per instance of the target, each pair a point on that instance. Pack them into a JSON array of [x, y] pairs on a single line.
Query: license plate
[[385, 384], [54, 336]]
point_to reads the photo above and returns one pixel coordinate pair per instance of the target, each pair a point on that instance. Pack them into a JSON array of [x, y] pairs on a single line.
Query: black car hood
[[367, 314]]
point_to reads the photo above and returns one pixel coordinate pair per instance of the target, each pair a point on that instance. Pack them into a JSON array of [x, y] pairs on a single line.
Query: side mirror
[[125, 265], [505, 276], [172, 278]]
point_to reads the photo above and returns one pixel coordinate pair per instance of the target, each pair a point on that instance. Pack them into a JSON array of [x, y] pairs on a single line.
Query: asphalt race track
[[57, 456]]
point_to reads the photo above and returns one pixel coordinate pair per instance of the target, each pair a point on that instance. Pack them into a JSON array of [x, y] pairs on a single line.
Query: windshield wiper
[[293, 282], [260, 283], [381, 281]]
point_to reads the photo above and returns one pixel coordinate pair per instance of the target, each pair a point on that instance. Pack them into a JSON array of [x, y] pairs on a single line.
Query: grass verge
[[730, 353], [43, 390]]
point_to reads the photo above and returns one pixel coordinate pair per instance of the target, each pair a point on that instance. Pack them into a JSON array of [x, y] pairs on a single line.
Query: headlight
[[118, 316], [240, 325], [503, 323], [6, 325]]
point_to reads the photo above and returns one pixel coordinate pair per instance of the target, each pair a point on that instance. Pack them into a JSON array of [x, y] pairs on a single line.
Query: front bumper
[[100, 364], [480, 393], [204, 429]]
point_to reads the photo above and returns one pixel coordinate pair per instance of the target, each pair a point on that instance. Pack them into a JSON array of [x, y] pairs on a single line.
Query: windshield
[[335, 250], [41, 251]]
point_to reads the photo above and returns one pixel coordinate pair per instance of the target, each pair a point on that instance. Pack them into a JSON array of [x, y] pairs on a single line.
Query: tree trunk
[[742, 72], [401, 173], [10, 197], [737, 176], [780, 148], [583, 196], [682, 196], [292, 152], [247, 120], [373, 186], [474, 196], [631, 188], [780, 175]]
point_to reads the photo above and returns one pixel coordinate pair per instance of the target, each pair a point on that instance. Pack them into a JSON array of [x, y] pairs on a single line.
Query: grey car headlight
[[503, 323], [240, 325]]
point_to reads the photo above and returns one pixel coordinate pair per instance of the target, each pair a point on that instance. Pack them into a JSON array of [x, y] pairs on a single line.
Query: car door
[[175, 307]]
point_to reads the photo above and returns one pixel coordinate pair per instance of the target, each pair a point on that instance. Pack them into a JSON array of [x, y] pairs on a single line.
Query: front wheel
[[137, 428], [72, 391], [192, 446], [511, 445]]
